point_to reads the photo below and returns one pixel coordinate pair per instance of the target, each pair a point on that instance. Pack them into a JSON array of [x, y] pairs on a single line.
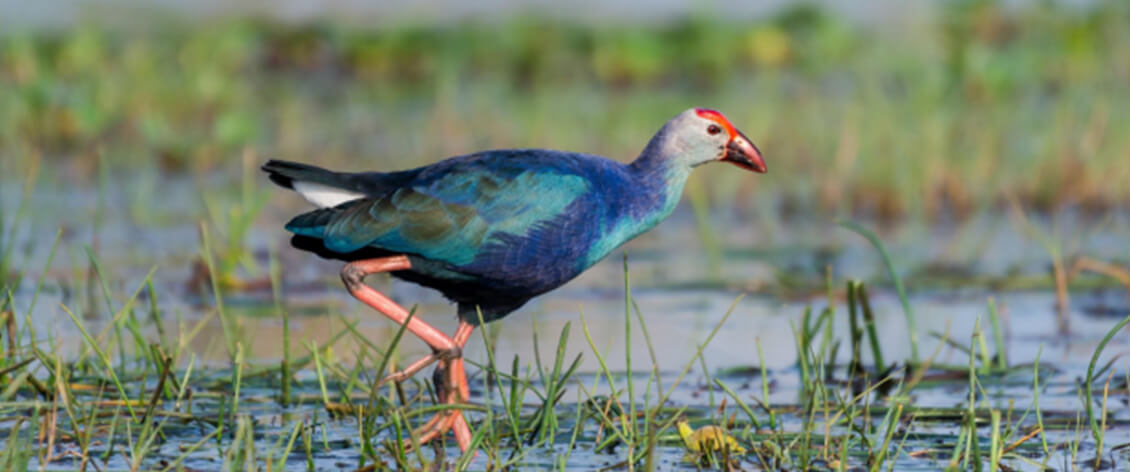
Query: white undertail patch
[[324, 196]]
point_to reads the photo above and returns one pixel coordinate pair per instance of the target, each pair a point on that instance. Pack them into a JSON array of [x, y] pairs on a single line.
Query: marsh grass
[[911, 323], [839, 429]]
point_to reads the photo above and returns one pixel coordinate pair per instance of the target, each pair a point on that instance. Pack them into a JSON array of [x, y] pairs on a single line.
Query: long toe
[[435, 427], [408, 372]]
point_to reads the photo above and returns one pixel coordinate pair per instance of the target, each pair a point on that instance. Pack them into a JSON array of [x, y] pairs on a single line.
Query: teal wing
[[452, 213]]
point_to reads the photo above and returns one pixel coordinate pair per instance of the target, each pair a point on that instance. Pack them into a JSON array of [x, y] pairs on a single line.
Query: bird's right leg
[[446, 350]]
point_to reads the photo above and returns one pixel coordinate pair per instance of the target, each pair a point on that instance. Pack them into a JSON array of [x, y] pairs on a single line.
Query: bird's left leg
[[353, 274]]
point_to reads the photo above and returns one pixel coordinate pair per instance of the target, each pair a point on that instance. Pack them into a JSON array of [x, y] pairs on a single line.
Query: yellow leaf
[[708, 438]]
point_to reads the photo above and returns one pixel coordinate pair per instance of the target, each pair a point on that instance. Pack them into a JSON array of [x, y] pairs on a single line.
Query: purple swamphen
[[492, 230]]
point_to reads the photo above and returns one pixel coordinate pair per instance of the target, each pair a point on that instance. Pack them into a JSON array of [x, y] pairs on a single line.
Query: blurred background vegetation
[[981, 103]]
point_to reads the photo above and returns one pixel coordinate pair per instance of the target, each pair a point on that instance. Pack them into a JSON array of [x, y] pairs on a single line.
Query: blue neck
[[661, 184], [657, 185]]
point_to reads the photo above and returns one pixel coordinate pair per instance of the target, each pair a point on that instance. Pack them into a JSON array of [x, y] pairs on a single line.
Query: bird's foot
[[440, 424], [450, 380]]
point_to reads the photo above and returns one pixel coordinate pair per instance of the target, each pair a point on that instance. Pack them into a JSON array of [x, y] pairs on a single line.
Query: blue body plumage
[[492, 229]]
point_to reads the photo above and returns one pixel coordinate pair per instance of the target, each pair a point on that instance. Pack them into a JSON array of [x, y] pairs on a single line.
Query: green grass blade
[[911, 325]]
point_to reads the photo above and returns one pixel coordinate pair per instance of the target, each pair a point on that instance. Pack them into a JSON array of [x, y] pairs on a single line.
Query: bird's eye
[[713, 130]]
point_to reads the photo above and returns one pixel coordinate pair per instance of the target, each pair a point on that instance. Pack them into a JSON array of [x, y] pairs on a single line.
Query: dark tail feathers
[[285, 173]]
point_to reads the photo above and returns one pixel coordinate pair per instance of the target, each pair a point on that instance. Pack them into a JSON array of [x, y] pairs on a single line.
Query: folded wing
[[449, 216]]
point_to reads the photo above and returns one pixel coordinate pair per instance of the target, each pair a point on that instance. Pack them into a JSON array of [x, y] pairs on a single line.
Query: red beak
[[742, 153]]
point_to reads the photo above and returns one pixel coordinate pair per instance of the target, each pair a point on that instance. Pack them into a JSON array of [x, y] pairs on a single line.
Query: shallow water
[[678, 322], [767, 272]]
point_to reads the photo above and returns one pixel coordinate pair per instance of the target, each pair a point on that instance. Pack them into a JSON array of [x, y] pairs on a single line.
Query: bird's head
[[701, 135]]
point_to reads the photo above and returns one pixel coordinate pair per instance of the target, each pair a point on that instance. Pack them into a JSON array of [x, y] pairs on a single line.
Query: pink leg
[[448, 351], [462, 432], [407, 372], [460, 339], [462, 334], [353, 275]]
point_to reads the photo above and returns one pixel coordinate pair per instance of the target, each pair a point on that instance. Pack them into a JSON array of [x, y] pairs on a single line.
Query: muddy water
[[682, 288]]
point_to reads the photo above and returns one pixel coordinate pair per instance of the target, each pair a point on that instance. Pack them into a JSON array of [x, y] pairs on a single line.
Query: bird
[[493, 229]]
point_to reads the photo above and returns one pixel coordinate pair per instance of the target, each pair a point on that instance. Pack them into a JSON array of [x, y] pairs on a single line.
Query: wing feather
[[452, 218]]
